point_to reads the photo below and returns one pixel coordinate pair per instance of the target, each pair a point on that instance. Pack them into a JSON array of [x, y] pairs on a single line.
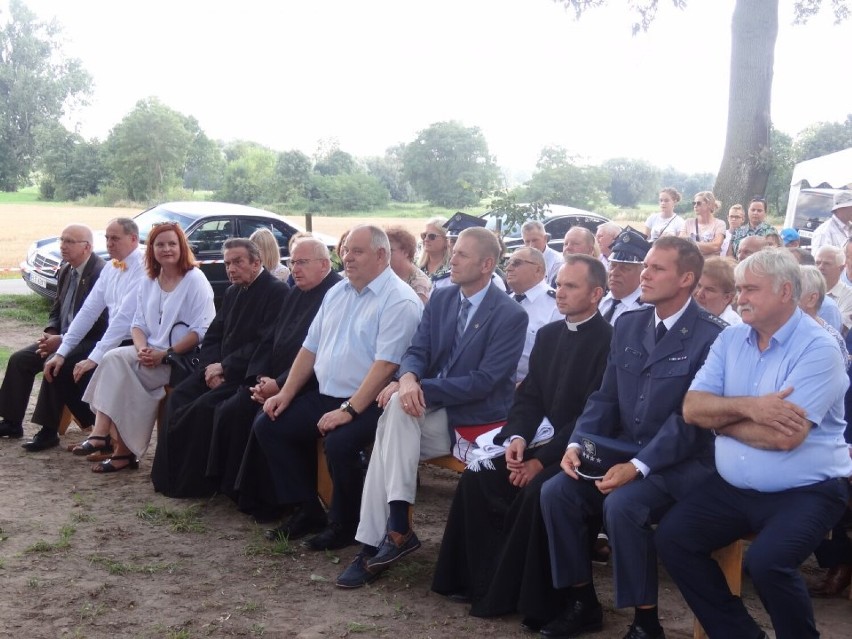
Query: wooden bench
[[730, 560]]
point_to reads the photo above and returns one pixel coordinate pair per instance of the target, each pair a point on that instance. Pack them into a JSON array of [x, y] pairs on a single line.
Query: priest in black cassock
[[310, 266], [248, 312], [494, 551]]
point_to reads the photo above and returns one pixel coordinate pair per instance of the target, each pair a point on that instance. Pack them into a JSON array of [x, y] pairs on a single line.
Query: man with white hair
[[535, 236], [606, 236], [772, 391], [831, 262], [837, 229]]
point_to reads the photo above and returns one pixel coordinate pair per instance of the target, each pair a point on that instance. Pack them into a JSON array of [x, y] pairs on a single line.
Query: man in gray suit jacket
[[77, 276], [459, 370]]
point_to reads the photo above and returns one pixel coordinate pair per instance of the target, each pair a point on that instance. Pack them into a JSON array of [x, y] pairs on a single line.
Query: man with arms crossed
[[458, 371], [772, 390], [655, 353]]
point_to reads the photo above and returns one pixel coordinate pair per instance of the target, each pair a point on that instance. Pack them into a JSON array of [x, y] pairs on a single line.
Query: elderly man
[[606, 236], [458, 371], [756, 226], [525, 277], [580, 240], [831, 262], [269, 366], [847, 272], [494, 550], [115, 294], [750, 245], [837, 229], [772, 391], [354, 347], [536, 237], [248, 312], [654, 355], [79, 273], [625, 267]]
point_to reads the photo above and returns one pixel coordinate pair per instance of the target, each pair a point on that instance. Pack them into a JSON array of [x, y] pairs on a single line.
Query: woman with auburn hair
[[173, 310], [403, 245], [435, 256], [666, 222], [707, 231], [270, 253]]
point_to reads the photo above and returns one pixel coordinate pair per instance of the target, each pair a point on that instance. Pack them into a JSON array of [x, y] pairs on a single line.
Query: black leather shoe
[[10, 430], [334, 536], [577, 619], [638, 632], [42, 441], [297, 526], [531, 624]]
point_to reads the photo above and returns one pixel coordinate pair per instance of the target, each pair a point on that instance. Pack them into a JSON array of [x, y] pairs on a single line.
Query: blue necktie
[[661, 330], [460, 326]]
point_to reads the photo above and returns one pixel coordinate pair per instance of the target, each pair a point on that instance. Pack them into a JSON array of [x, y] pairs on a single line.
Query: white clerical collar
[[572, 326]]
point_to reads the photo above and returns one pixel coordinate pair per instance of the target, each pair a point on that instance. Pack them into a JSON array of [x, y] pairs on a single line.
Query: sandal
[[107, 466], [88, 447]]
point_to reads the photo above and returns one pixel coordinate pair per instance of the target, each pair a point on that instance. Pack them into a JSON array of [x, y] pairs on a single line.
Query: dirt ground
[[104, 556], [22, 224]]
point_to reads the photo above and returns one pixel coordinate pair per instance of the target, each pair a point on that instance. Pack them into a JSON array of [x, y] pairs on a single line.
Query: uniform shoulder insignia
[[551, 292], [632, 311], [439, 276], [707, 316]]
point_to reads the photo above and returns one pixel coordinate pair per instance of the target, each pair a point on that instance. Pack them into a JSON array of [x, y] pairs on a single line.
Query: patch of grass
[[31, 310], [356, 627], [263, 547], [249, 607], [2, 563], [28, 195], [408, 573], [79, 518], [92, 611], [32, 582], [114, 567], [186, 520], [257, 630], [65, 534], [183, 633]]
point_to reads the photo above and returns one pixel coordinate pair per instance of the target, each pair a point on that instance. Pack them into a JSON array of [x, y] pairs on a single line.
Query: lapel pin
[[684, 330]]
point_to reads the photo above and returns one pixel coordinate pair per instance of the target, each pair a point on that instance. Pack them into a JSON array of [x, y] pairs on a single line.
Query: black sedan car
[[206, 224], [557, 220]]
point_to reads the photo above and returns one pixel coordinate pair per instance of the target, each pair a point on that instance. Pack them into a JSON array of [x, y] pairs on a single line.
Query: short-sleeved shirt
[[762, 230], [352, 330], [660, 225], [801, 355]]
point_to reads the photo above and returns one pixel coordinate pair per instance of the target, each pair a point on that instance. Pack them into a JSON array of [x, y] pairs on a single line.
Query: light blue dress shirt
[[802, 355], [352, 330]]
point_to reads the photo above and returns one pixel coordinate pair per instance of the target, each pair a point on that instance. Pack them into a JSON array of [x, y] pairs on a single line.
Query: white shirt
[[540, 305], [831, 232], [731, 316], [628, 303], [114, 291], [553, 261], [842, 294]]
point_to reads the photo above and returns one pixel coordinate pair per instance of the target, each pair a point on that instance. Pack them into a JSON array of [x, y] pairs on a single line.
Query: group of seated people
[[631, 398]]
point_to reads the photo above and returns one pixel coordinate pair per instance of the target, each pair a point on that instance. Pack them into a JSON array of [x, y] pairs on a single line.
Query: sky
[[372, 73]]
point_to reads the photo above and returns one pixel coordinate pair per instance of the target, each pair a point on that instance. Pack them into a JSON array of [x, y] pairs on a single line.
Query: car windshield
[[153, 216], [812, 208]]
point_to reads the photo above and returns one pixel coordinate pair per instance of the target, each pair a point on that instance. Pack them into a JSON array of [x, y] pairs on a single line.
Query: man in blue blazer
[[656, 351], [458, 371]]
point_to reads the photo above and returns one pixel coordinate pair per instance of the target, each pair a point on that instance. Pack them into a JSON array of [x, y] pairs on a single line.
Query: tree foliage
[[631, 181], [37, 84], [781, 161], [560, 181], [69, 166], [449, 164], [250, 175], [823, 138]]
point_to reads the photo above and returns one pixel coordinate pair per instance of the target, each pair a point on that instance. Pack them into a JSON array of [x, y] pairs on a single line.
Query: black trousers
[[17, 385], [289, 447], [789, 526]]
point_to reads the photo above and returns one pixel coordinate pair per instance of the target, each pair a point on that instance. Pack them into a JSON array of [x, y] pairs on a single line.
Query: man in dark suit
[[655, 353], [248, 310], [77, 276], [459, 370]]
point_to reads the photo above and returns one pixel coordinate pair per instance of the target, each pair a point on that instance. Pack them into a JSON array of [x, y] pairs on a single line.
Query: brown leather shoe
[[835, 582]]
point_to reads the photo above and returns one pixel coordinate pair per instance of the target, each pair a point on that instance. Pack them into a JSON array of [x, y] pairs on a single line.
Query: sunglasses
[[429, 236], [699, 203]]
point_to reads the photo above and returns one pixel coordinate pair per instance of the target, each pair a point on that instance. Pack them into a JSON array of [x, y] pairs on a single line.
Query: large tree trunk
[[745, 164]]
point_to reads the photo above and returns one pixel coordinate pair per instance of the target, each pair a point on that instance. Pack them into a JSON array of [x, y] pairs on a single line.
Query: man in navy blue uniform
[[459, 370], [655, 353]]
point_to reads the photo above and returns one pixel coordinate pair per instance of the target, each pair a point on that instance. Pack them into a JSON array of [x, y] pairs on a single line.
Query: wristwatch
[[346, 407]]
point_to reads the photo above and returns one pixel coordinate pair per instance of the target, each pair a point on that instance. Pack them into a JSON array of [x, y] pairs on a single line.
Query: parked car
[[557, 220], [206, 224]]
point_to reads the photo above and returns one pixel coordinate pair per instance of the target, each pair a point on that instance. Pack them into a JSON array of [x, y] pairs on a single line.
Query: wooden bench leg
[[730, 560], [65, 420], [324, 486]]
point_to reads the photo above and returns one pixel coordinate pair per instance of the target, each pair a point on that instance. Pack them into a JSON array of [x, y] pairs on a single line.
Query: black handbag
[[183, 364], [598, 453]]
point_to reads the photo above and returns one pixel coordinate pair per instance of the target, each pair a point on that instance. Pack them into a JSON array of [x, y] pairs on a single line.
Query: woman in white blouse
[[173, 311]]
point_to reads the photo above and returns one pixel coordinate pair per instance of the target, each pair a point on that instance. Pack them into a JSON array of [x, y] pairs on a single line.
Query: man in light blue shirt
[[772, 389], [353, 348]]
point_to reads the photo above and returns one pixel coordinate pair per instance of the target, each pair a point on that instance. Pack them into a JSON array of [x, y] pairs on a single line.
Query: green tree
[[744, 170], [688, 184], [69, 167], [249, 177], [389, 170], [560, 181], [631, 181], [205, 162], [336, 163], [147, 151], [823, 138], [348, 192], [38, 83], [449, 164], [781, 164], [292, 179]]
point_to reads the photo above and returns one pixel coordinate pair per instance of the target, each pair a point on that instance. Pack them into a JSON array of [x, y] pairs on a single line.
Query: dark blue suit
[[639, 400]]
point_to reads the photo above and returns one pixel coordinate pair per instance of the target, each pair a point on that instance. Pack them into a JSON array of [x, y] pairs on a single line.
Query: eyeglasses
[[304, 262], [429, 236], [516, 262], [735, 217], [68, 240], [698, 203]]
